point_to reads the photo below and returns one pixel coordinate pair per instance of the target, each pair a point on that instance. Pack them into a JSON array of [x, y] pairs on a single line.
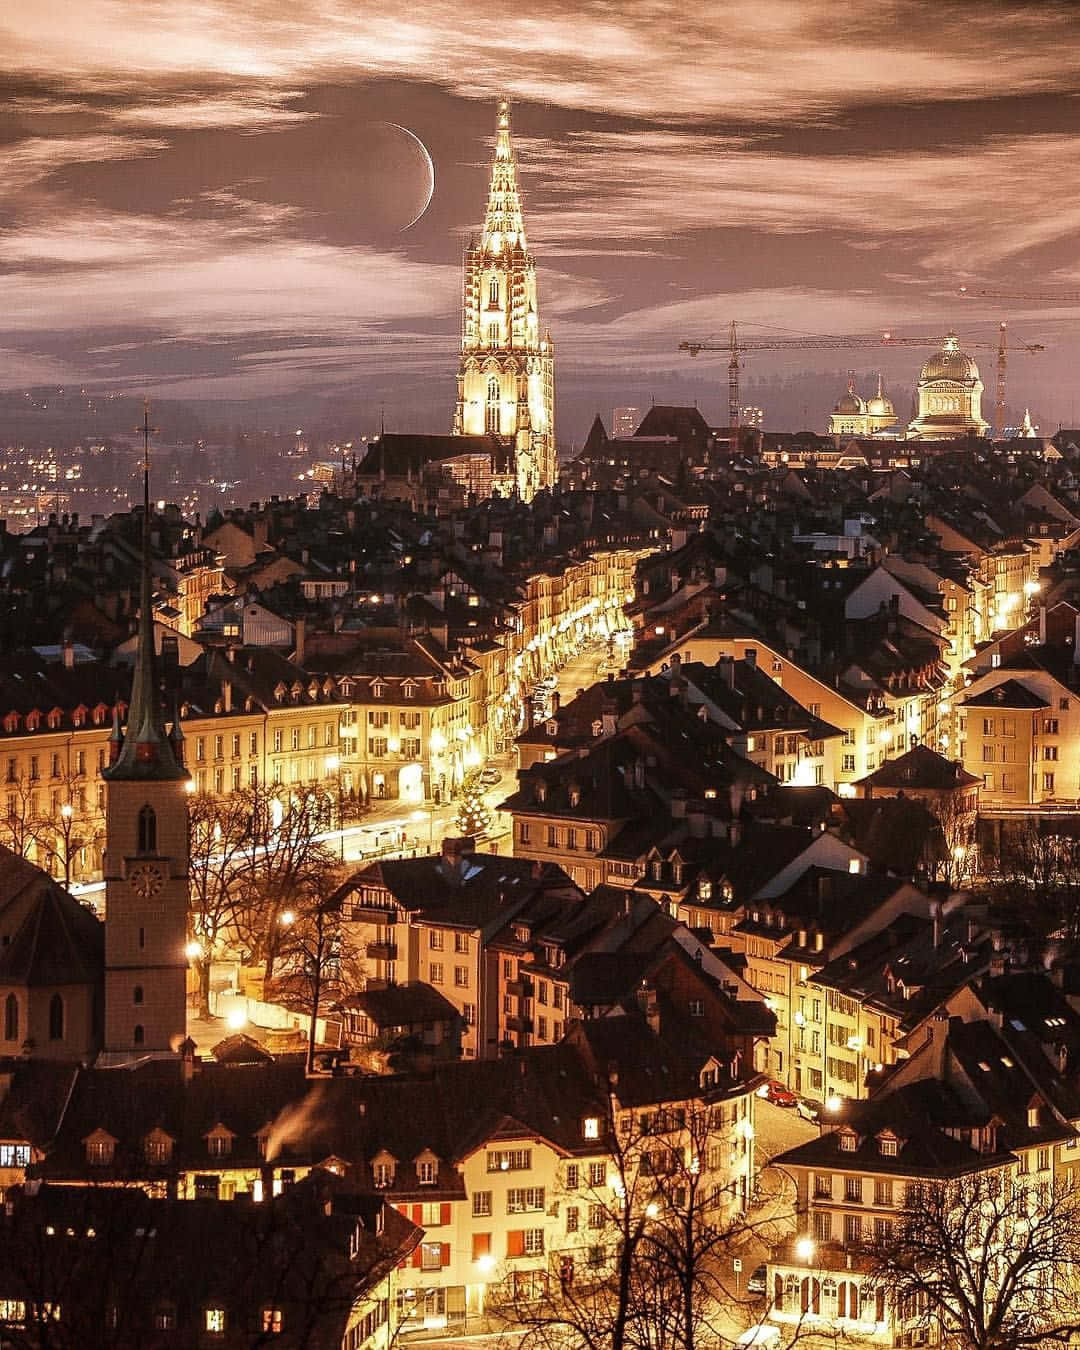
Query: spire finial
[[504, 226]]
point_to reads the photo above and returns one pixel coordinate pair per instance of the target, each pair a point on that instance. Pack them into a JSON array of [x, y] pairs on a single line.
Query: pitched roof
[[920, 767], [59, 942]]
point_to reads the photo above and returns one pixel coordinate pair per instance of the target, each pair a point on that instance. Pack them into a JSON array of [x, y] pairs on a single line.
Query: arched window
[[136, 994], [493, 291], [147, 830], [492, 419], [139, 1035], [11, 1018], [56, 1018]]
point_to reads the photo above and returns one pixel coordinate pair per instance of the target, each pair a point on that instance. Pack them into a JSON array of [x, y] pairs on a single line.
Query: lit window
[[273, 1321], [591, 1127], [215, 1319]]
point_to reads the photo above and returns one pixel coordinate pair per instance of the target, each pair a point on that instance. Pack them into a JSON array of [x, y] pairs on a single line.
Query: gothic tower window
[[56, 1018], [147, 830], [11, 1018], [139, 1035], [493, 404], [493, 291]]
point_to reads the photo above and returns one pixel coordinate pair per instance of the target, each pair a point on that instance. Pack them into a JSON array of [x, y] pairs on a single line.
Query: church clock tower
[[146, 854], [506, 383]]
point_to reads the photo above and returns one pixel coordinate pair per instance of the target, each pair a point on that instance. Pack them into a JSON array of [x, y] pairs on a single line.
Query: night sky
[[205, 199]]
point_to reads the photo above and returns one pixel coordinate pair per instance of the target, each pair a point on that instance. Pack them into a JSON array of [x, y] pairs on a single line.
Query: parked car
[[777, 1093], [763, 1335], [756, 1283], [490, 777], [807, 1111]]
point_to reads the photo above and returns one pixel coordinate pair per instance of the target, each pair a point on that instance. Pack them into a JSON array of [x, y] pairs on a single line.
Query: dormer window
[[100, 1148], [597, 727], [54, 719], [427, 1169], [575, 796], [541, 791], [157, 1148], [377, 689], [383, 1169], [848, 1140], [1033, 1115], [552, 727], [219, 1141], [11, 722], [590, 1127], [704, 890], [890, 1145]]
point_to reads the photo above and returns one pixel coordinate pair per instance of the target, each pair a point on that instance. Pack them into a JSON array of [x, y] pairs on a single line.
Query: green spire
[[147, 750]]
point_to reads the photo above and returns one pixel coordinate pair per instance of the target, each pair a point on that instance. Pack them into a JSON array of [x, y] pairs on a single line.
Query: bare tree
[[649, 1245], [957, 857], [262, 863], [1039, 868], [220, 856], [982, 1262]]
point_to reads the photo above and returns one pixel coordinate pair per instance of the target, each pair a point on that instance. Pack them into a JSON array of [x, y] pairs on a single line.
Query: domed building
[[855, 416], [950, 396]]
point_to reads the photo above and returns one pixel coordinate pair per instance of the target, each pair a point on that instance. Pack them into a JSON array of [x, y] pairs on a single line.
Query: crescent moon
[[431, 174]]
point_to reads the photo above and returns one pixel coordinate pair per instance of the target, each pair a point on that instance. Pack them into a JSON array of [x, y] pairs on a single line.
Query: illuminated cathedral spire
[[504, 225], [506, 383]]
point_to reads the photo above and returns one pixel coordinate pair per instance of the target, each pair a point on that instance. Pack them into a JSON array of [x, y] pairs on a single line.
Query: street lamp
[[805, 1249], [66, 814]]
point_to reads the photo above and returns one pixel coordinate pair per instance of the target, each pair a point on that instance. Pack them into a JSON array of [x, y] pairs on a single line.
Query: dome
[[950, 363], [851, 404], [880, 404]]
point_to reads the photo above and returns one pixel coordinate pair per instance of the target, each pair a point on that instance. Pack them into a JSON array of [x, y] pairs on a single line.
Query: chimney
[[301, 640], [935, 915], [67, 652], [734, 833], [226, 696], [727, 664], [678, 804], [556, 700], [1042, 625], [750, 656]]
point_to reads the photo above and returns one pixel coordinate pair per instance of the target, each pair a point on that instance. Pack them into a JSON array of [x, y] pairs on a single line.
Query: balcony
[[521, 1024], [382, 951], [519, 988]]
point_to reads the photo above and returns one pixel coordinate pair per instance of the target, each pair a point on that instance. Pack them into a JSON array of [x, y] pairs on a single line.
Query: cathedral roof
[[950, 363]]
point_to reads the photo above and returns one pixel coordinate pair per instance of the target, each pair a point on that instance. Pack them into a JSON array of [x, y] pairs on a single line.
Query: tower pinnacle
[[146, 750], [504, 225]]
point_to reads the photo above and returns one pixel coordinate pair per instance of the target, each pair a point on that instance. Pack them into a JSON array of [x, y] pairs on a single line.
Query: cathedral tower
[[506, 383], [146, 854]]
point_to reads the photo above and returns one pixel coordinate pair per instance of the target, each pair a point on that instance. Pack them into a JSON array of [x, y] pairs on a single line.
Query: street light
[[66, 814], [805, 1248]]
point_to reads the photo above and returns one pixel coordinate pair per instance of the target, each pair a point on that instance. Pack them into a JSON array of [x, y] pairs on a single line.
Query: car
[[777, 1093], [756, 1283], [490, 777], [807, 1111]]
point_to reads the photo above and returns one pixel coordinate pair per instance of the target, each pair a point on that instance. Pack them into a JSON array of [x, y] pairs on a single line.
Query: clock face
[[146, 879]]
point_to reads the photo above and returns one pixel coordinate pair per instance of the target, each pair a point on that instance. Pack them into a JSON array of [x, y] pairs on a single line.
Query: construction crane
[[736, 347], [1040, 297]]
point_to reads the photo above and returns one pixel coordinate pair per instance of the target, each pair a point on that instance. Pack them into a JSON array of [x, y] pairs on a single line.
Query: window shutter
[[444, 1217], [445, 1253], [418, 1215], [515, 1243], [481, 1245], [418, 1256]]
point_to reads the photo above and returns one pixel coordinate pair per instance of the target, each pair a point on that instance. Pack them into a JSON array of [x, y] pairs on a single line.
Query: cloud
[[645, 57], [960, 208]]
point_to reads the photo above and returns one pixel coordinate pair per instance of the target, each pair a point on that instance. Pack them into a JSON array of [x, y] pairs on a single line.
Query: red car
[[777, 1093]]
